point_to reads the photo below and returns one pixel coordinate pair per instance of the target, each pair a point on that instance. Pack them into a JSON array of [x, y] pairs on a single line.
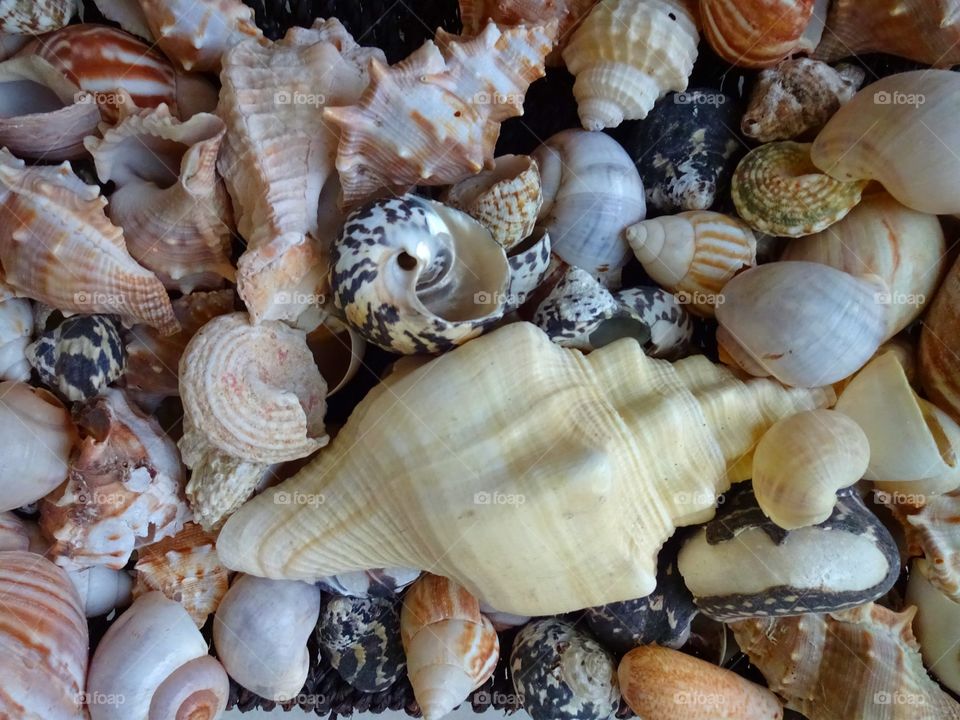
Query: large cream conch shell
[[940, 346], [550, 440], [629, 53]]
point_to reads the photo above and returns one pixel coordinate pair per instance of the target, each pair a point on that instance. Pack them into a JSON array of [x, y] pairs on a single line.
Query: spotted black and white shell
[[361, 638], [384, 582], [530, 263], [79, 357], [561, 673], [741, 565], [686, 149], [414, 276]]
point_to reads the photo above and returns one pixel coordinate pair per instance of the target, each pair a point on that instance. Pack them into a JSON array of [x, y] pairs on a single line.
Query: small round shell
[[778, 190]]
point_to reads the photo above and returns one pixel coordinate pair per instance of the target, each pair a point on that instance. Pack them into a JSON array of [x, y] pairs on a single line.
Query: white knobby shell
[[16, 329]]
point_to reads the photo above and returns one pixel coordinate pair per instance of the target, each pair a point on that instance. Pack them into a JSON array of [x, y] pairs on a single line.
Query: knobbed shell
[[528, 396], [451, 648], [414, 276], [940, 346], [855, 664], [44, 636], [804, 323], [905, 248], [260, 633], [755, 33], [801, 462], [895, 131], [591, 192], [16, 328], [152, 663], [661, 684], [778, 190], [693, 254], [626, 55], [937, 616], [561, 673], [38, 439], [35, 16]]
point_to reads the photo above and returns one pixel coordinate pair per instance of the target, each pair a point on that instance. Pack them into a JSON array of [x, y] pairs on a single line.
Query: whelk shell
[[35, 16], [940, 346], [16, 328], [755, 33]]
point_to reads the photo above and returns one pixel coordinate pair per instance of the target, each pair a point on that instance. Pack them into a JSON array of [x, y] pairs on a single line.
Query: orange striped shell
[[755, 33]]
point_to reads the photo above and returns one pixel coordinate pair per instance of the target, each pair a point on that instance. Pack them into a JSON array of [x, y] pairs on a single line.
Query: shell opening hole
[[406, 261], [25, 97], [617, 328]]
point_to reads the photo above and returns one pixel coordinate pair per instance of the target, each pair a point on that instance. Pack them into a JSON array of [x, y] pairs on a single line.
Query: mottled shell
[[932, 530], [755, 33], [35, 16], [627, 54], [778, 190], [575, 308], [935, 624], [531, 263], [801, 462], [671, 326], [561, 673], [385, 582], [940, 346], [693, 254], [44, 636], [80, 357], [661, 684], [361, 639], [414, 276], [16, 329]]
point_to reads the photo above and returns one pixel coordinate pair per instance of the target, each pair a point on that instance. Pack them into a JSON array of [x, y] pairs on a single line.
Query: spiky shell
[[755, 33], [933, 531], [35, 17], [940, 346]]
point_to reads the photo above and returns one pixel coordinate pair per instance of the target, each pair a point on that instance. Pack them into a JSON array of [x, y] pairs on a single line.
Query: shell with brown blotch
[[34, 17], [940, 346], [849, 665], [755, 33]]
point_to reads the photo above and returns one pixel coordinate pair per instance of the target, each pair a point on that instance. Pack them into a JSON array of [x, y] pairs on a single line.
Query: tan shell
[[57, 246], [35, 16], [933, 530], [850, 665], [585, 435], [451, 648], [755, 33], [629, 53], [940, 346]]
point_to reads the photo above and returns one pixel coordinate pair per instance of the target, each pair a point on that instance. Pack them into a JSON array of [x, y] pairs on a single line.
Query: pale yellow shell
[[935, 624]]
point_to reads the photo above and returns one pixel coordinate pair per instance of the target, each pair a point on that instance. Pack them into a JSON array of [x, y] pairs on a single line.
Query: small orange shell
[[755, 33]]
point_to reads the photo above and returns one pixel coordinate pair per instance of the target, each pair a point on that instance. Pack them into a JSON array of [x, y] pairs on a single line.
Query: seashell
[[278, 157], [561, 673], [801, 462], [451, 648], [686, 149], [338, 350], [932, 530], [35, 16], [940, 346], [153, 360], [796, 96], [921, 30], [57, 246], [79, 358], [260, 633], [935, 623], [44, 636], [184, 567], [866, 139], [43, 115], [575, 309], [414, 276], [38, 436], [196, 34], [907, 438], [13, 533], [502, 621], [857, 664], [591, 192], [124, 488], [742, 565], [127, 14], [506, 200], [152, 663], [804, 323], [102, 590], [777, 190], [626, 55], [392, 137], [174, 211], [755, 34], [381, 583], [530, 264], [671, 327], [361, 639], [660, 684], [515, 376], [693, 254], [16, 328], [906, 248]]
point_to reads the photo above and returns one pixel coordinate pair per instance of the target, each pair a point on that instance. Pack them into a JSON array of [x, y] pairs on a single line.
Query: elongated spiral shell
[[755, 33]]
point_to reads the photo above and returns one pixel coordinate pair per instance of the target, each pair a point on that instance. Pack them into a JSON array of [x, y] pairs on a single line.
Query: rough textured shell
[[937, 615], [16, 328], [35, 16], [777, 190], [940, 346], [627, 54], [932, 530], [895, 131], [804, 323], [44, 636], [859, 663], [755, 33], [521, 384]]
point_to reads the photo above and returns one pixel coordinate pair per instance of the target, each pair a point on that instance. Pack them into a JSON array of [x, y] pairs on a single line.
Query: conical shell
[[512, 486], [855, 664], [693, 254], [44, 636], [940, 346], [927, 31], [629, 53], [451, 648], [897, 131], [755, 33], [57, 246], [35, 16], [278, 157], [16, 329], [935, 625]]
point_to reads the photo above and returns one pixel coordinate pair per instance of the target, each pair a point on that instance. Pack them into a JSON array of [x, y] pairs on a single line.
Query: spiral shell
[[35, 16], [755, 33], [940, 346], [16, 328], [778, 190]]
